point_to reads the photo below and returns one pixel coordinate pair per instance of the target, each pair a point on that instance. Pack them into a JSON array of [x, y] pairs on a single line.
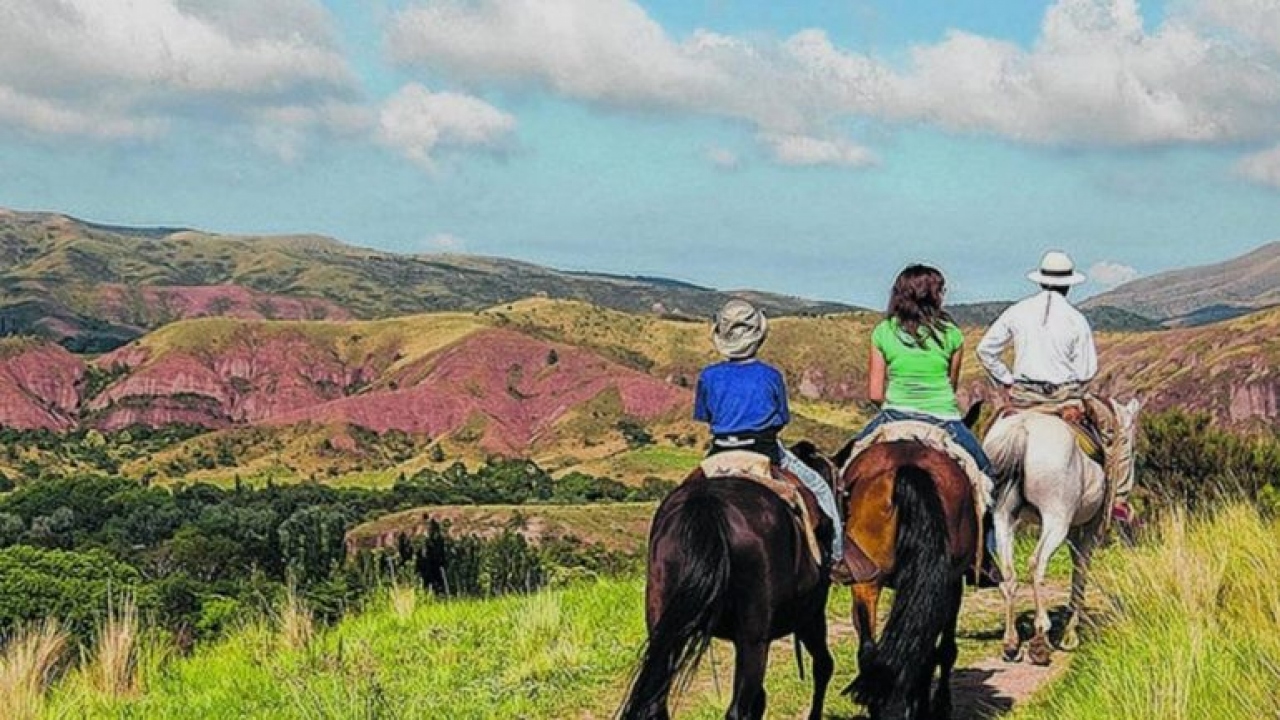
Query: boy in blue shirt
[[744, 400]]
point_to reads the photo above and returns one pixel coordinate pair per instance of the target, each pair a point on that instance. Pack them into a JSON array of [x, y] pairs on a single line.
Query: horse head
[[810, 455]]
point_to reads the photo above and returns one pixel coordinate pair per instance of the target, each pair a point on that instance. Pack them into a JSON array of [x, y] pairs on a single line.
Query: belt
[[1046, 388], [744, 439]]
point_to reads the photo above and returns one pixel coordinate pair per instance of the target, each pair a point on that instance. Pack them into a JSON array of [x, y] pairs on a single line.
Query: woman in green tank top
[[915, 360]]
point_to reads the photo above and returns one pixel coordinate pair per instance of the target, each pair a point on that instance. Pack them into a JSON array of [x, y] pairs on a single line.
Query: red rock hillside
[[38, 385], [251, 377], [511, 388]]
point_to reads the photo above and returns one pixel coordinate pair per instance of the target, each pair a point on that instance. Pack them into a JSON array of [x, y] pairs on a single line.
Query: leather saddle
[[1088, 437], [758, 468]]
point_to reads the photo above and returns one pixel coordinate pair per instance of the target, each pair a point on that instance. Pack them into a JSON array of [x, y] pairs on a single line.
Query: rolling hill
[[93, 287], [1204, 294], [571, 385]]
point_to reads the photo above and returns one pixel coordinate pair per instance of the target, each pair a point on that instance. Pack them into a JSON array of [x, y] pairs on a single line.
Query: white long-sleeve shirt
[[1052, 342]]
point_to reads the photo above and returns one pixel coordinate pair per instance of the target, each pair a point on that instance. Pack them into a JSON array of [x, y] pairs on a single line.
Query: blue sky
[[813, 147]]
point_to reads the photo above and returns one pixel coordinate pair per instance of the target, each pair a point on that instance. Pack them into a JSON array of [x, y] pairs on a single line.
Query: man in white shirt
[[1054, 354]]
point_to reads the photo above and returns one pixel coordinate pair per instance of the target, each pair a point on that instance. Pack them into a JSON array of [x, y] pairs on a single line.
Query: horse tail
[[893, 670], [691, 603], [1006, 446]]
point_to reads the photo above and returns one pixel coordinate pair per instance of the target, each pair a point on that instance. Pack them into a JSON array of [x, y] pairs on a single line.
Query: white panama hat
[[1056, 270], [739, 330]]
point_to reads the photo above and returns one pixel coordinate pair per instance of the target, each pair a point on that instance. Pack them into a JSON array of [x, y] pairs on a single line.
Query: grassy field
[[1193, 628], [617, 526], [558, 654], [1191, 621]]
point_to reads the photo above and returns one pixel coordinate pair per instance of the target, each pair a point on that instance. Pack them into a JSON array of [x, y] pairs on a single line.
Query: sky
[[812, 147]]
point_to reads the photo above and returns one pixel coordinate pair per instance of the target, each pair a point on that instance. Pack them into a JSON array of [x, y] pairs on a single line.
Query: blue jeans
[[963, 436], [821, 491]]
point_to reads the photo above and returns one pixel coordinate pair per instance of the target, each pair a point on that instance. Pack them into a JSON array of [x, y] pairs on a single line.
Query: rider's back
[[1052, 340]]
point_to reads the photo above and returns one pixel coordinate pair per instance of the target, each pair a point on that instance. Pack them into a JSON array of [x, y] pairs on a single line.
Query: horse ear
[[842, 457], [805, 451], [975, 412]]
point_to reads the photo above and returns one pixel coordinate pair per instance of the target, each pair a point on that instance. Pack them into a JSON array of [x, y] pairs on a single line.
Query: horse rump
[[688, 604], [894, 674]]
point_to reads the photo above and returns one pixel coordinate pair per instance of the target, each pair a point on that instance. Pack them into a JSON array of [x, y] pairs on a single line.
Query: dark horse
[[911, 513], [726, 560]]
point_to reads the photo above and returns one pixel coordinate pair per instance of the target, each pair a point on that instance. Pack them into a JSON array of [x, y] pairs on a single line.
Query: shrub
[[28, 663]]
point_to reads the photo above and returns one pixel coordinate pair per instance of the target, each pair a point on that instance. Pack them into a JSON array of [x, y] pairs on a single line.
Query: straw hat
[[739, 330], [1056, 270]]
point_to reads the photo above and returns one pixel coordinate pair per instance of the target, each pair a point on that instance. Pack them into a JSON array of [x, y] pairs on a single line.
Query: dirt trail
[[983, 686]]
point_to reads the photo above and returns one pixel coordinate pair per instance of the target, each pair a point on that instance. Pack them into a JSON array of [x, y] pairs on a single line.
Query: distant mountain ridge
[[1202, 294], [1105, 317], [92, 286]]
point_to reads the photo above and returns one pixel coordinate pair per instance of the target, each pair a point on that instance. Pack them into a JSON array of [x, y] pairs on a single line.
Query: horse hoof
[[1012, 654], [1039, 653]]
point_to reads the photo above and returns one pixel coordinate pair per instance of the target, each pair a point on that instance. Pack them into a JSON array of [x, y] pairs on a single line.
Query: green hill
[[93, 286]]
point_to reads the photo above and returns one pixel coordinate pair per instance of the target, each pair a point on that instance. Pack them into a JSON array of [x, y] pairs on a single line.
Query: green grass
[[558, 654], [618, 526], [539, 656], [661, 460], [1193, 630]]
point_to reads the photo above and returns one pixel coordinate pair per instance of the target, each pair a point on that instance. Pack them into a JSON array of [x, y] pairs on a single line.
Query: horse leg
[[1053, 530], [750, 660], [813, 635], [947, 657], [866, 596], [1004, 525], [1081, 545]]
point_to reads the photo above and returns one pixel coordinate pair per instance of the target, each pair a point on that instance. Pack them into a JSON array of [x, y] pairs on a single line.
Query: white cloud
[[723, 159], [136, 65], [416, 122], [803, 150], [1262, 167], [603, 50], [611, 53], [1094, 76], [445, 242], [1110, 274]]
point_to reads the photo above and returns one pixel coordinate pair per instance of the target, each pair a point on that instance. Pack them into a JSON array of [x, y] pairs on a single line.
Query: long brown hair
[[916, 303]]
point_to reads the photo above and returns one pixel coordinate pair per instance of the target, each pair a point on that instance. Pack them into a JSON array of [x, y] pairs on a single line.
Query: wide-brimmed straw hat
[[739, 330], [1057, 270]]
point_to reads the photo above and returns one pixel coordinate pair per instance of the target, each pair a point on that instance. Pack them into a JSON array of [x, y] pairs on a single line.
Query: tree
[[311, 543]]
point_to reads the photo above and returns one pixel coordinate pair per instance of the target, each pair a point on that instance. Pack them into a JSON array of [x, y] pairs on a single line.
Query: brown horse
[[727, 560], [910, 512]]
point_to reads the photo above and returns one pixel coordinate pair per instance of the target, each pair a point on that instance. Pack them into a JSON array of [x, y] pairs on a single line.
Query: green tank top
[[918, 371]]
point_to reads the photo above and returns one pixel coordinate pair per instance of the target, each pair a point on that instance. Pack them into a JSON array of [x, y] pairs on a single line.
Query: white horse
[[1043, 473]]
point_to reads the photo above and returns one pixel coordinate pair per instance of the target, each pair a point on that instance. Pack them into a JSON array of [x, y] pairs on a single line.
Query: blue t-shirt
[[742, 396]]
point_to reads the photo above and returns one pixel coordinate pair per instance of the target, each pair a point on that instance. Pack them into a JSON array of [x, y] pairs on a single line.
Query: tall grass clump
[[113, 669], [296, 623], [402, 598], [28, 662], [1192, 628]]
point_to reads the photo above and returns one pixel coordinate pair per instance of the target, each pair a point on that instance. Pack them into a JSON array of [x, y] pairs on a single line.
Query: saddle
[[861, 559], [757, 468], [1088, 436]]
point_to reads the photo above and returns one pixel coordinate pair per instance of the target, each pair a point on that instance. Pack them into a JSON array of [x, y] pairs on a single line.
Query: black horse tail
[[895, 673], [691, 604]]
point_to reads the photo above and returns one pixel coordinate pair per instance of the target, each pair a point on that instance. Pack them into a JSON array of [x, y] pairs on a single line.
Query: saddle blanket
[[938, 439], [757, 468]]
